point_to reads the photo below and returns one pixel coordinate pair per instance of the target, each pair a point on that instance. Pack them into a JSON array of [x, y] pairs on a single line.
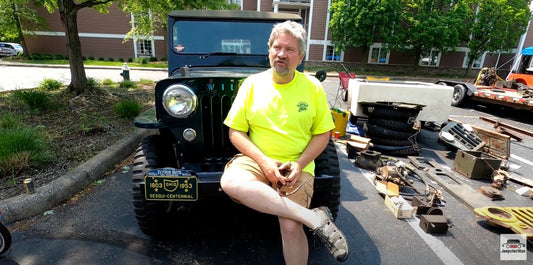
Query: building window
[[378, 55], [430, 59], [238, 2], [476, 64], [144, 48], [331, 54]]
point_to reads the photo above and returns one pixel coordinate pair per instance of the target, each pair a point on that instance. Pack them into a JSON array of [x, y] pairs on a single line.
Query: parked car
[[10, 49]]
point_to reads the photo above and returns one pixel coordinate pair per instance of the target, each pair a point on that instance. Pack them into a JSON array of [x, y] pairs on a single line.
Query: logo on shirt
[[302, 106]]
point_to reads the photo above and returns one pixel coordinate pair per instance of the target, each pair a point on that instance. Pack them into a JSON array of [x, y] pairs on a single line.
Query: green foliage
[[22, 146], [18, 18], [36, 57], [35, 100], [496, 25], [59, 57], [101, 59], [146, 25], [361, 23], [49, 84], [432, 24], [110, 59], [127, 109], [130, 60], [127, 84], [91, 58], [146, 81], [92, 82], [107, 82]]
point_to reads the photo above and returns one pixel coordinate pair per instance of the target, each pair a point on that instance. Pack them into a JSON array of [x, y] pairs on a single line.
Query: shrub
[[22, 146], [49, 84], [107, 82], [58, 57], [128, 109], [130, 60], [121, 60], [91, 58], [127, 84], [101, 59], [36, 57], [153, 59], [47, 57], [110, 59], [92, 82], [146, 81], [35, 100], [163, 59]]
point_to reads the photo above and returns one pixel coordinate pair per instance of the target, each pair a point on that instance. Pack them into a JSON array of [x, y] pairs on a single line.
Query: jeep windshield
[[221, 37]]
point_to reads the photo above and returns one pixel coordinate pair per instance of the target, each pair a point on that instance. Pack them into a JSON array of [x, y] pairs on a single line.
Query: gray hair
[[295, 29]]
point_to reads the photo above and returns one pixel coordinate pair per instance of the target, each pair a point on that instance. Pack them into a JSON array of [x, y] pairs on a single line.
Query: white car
[[10, 49]]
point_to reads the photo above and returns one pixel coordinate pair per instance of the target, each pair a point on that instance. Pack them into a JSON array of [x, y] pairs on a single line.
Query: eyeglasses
[[285, 193]]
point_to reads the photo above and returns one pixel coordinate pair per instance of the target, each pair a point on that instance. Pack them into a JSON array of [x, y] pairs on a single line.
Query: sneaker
[[330, 235]]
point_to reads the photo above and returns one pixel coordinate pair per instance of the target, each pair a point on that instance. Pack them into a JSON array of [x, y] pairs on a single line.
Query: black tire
[[393, 125], [327, 164], [459, 94], [391, 142], [381, 132], [5, 239], [403, 152], [398, 114], [153, 217]]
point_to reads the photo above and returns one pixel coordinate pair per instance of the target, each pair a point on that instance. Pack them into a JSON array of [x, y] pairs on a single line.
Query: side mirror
[[321, 75]]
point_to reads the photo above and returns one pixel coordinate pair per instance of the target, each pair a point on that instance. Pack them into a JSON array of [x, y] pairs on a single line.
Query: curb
[[64, 187], [85, 66]]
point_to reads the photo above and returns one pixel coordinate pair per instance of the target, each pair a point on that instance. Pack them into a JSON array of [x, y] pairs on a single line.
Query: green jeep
[[209, 55]]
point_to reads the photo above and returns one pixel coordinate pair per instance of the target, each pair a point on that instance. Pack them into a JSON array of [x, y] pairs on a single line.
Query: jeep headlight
[[179, 101]]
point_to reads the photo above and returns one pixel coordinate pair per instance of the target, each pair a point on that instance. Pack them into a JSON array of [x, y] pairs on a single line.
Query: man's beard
[[280, 70]]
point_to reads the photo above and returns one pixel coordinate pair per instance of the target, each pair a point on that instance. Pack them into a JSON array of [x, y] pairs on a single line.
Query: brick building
[[102, 35]]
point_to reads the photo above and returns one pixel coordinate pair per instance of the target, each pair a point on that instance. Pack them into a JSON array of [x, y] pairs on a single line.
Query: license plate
[[170, 184]]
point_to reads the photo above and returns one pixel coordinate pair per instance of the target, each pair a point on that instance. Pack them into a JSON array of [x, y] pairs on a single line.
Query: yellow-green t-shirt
[[281, 118]]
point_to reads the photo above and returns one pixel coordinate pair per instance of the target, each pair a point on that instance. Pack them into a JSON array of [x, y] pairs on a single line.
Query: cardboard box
[[399, 206], [387, 188], [396, 203]]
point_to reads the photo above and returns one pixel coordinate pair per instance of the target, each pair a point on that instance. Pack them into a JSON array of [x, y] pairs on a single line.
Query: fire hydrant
[[125, 72]]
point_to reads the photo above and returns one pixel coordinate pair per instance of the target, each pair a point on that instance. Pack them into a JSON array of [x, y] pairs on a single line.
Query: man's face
[[284, 55]]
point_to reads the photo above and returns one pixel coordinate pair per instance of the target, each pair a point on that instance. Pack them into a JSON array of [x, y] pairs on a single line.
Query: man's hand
[[290, 172]]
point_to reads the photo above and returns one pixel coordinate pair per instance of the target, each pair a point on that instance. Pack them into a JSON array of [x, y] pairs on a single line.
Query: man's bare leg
[[245, 188], [294, 241]]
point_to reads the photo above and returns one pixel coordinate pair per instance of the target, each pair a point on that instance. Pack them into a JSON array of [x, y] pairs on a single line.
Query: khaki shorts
[[299, 193]]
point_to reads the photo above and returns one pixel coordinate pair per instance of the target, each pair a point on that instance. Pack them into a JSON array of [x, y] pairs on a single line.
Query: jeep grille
[[215, 133]]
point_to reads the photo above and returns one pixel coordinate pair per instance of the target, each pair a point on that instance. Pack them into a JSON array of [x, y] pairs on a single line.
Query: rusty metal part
[[500, 124], [491, 192], [505, 131], [499, 178], [518, 219], [369, 160]]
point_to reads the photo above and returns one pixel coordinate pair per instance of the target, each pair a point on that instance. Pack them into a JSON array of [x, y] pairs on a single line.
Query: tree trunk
[[20, 34], [69, 14]]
